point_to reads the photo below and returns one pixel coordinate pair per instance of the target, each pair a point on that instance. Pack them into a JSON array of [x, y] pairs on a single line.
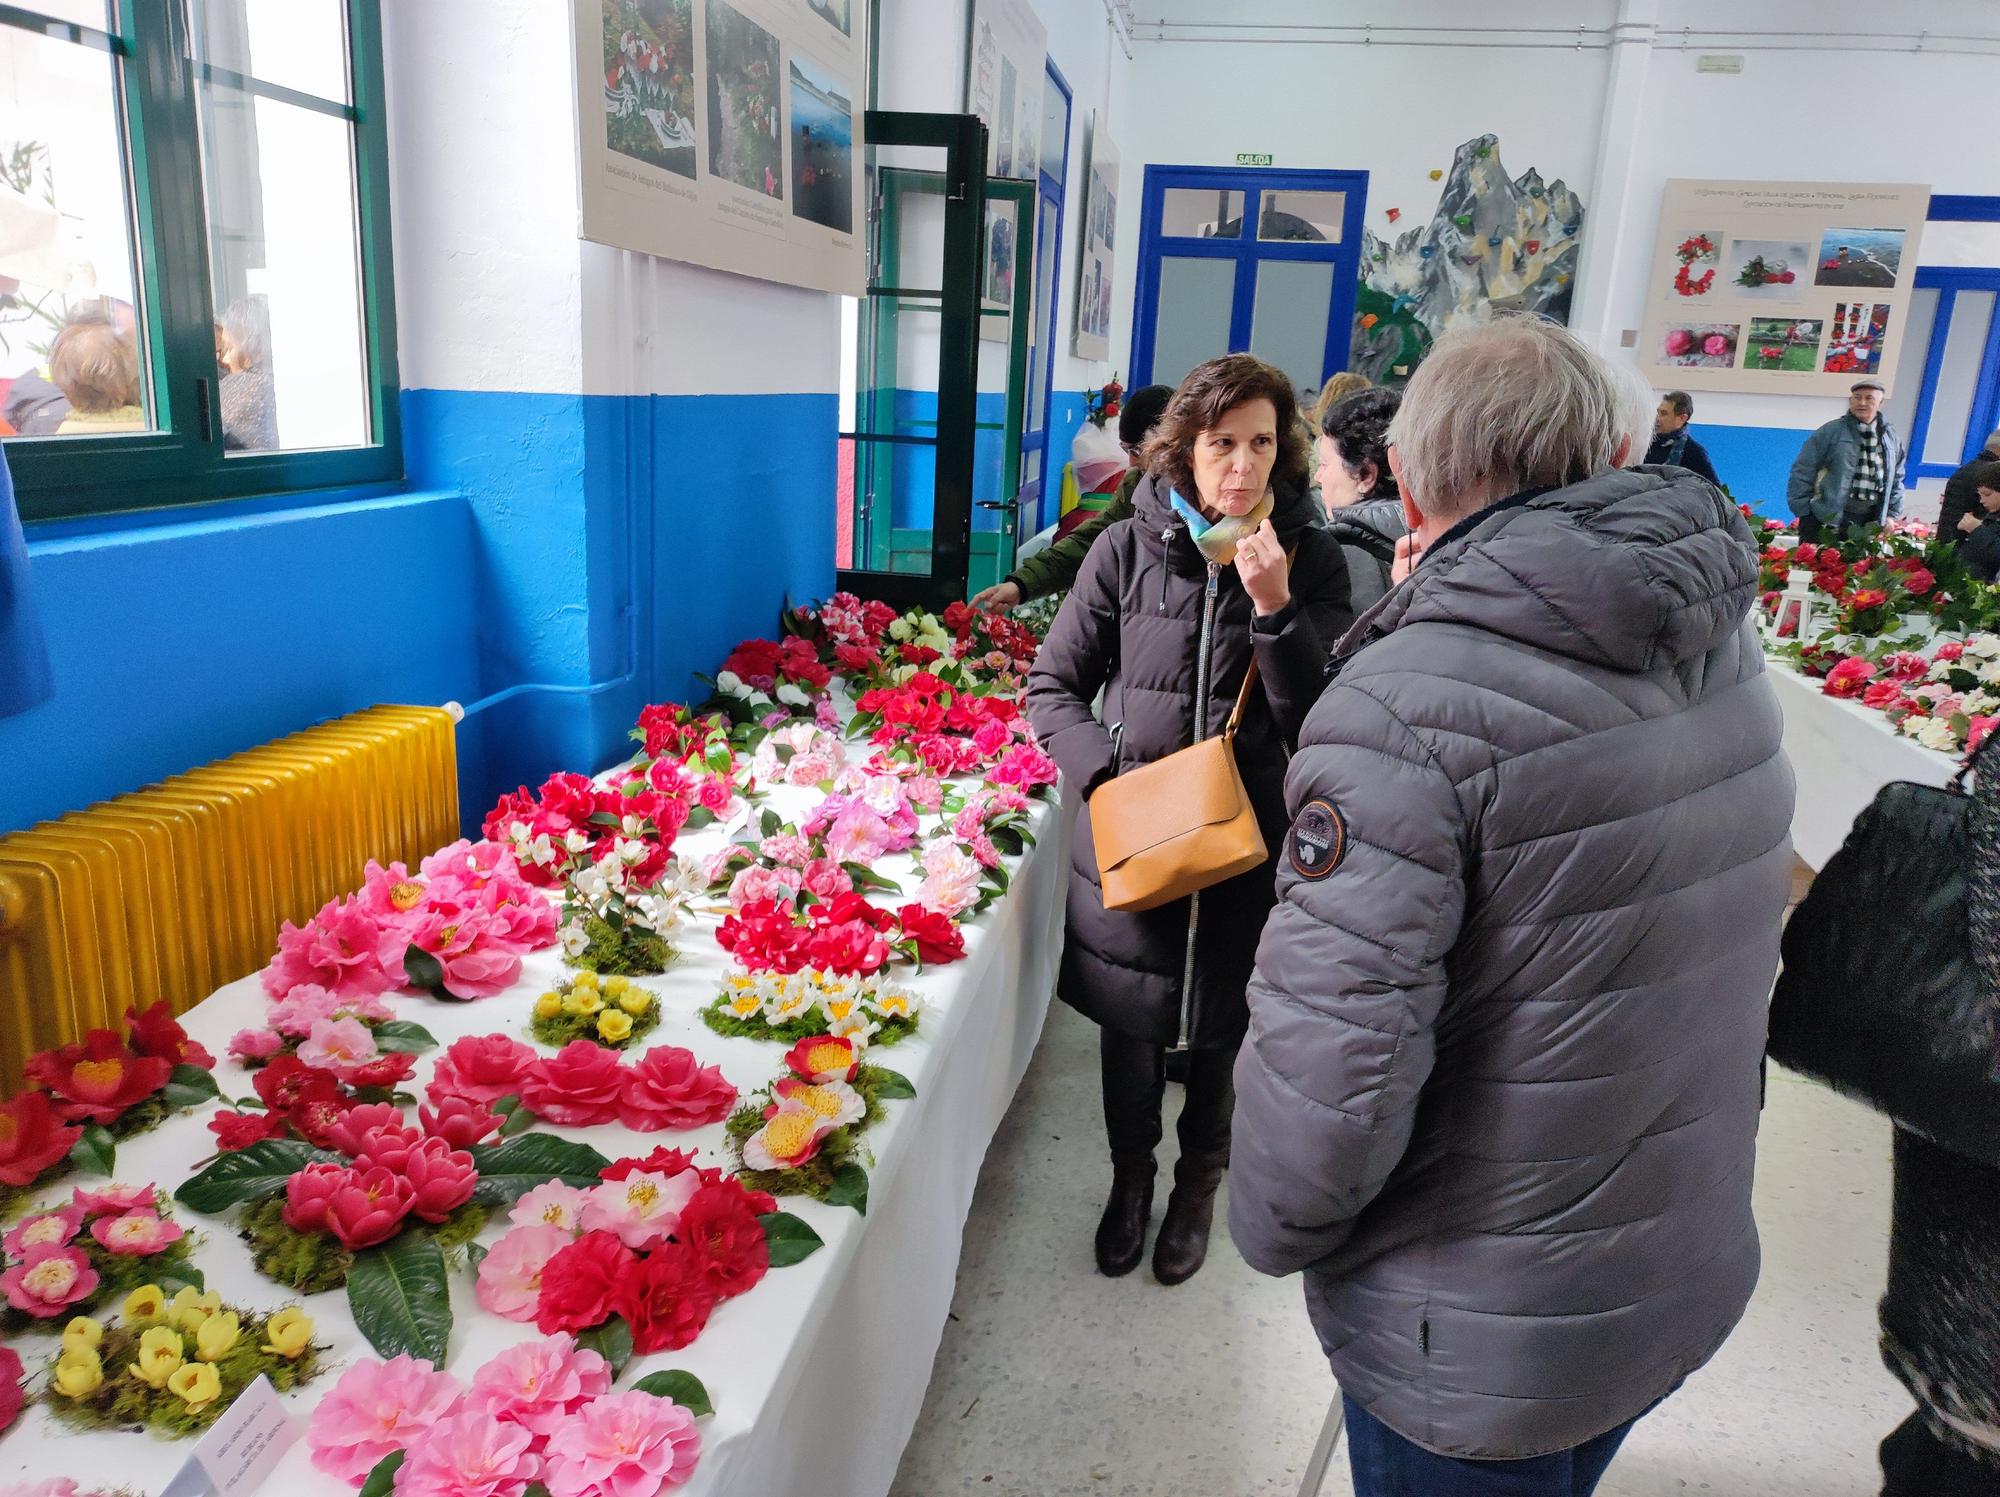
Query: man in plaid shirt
[[1850, 471]]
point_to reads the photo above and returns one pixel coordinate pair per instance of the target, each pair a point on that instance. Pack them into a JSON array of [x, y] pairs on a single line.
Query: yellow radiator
[[172, 891]]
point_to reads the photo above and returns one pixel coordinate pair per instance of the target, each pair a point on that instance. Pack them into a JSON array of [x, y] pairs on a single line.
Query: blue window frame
[[1950, 283], [1050, 193], [1247, 251]]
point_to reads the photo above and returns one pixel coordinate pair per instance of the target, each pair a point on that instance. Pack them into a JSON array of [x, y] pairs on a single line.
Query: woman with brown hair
[[97, 369], [1220, 565]]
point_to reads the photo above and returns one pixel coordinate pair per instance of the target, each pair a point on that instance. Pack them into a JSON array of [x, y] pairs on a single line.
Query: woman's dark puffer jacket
[[1130, 626], [1368, 532]]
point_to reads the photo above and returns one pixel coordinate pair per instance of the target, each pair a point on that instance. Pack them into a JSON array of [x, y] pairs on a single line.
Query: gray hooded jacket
[[1500, 1090]]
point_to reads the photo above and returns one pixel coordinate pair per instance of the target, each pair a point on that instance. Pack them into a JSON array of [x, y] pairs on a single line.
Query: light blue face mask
[[1217, 540]]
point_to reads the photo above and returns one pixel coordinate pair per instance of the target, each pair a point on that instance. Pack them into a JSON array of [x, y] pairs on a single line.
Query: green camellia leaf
[[401, 1037], [789, 1239], [95, 1152], [189, 1086], [245, 1175], [475, 1254], [850, 1188], [684, 1388], [891, 1086], [399, 1299], [173, 1276], [510, 1169], [699, 817], [382, 1480], [867, 878], [424, 971], [611, 1341], [769, 823]]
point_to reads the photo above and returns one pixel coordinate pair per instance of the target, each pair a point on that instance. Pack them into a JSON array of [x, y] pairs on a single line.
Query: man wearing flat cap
[[1850, 471]]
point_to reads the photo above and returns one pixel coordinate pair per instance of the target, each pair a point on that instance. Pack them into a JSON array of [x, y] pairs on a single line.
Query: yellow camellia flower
[[616, 985], [635, 1001], [216, 1336], [144, 1305], [614, 1025], [189, 1308], [585, 1001], [159, 1356], [288, 1333], [548, 1005], [79, 1373], [587, 980], [84, 1333], [198, 1384]]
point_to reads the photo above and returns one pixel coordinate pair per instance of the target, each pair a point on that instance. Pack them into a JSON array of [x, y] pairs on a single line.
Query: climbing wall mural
[[1494, 244]]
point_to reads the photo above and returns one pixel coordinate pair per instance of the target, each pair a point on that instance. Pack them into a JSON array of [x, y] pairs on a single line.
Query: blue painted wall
[[1754, 461], [607, 546]]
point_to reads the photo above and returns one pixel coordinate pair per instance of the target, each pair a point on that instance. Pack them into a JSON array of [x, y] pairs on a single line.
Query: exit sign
[[1253, 158]]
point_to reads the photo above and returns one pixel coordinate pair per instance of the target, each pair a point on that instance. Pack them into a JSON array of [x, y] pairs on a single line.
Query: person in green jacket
[[1054, 568]]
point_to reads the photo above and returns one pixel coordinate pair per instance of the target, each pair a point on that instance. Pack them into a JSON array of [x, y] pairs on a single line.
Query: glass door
[[1005, 312], [906, 436], [1041, 477], [1246, 259], [1947, 396]]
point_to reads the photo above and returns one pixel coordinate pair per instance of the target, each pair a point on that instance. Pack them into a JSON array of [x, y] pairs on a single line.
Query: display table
[[1842, 753], [818, 1373]]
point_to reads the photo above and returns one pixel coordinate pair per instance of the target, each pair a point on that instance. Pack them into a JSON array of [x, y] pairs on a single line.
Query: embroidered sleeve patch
[[1318, 839]]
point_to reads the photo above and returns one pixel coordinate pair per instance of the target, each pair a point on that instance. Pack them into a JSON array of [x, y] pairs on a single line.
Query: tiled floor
[[1055, 1382]]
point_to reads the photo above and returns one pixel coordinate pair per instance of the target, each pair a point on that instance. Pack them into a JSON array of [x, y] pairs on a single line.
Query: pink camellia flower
[[642, 1209], [951, 878], [335, 1043], [510, 1275], [523, 918], [992, 737], [470, 1454], [1849, 677], [392, 895], [138, 1234], [459, 1121], [716, 795], [48, 1280], [1024, 766], [1715, 345], [1977, 730], [551, 1204], [669, 1088], [787, 848], [45, 1229], [255, 1044], [481, 1068], [759, 882], [369, 1207], [477, 862], [309, 1193], [1678, 341], [54, 1486], [469, 948], [860, 835], [443, 1178], [622, 1445], [356, 1132], [578, 1087], [377, 1408], [539, 1384], [827, 880], [342, 949], [115, 1198]]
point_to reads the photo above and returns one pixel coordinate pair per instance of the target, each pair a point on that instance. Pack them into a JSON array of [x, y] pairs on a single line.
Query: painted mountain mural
[[1495, 244]]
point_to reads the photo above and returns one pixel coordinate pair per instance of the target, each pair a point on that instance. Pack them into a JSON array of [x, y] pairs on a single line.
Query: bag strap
[[1250, 676]]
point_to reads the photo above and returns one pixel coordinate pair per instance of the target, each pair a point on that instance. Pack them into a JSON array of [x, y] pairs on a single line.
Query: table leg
[[1322, 1456]]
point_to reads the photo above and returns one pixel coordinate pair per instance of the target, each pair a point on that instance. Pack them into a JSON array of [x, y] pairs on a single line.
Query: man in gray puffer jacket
[[1499, 1096]]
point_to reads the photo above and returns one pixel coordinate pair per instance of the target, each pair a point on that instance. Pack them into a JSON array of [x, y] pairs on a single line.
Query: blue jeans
[[1387, 1465]]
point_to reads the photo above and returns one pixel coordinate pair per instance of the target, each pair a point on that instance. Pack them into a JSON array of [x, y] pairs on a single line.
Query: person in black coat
[[1673, 444], [1959, 499], [1135, 627], [1364, 510], [1975, 525]]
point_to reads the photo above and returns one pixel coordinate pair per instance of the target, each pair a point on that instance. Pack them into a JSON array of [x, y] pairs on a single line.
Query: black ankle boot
[[1182, 1245], [1121, 1233]]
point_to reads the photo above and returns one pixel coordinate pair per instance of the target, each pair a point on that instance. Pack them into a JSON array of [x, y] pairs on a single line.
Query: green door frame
[[993, 550]]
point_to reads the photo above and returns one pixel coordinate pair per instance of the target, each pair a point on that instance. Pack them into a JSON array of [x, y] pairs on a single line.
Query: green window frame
[[157, 68]]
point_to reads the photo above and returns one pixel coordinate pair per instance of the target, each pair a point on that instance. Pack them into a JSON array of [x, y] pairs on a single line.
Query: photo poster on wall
[[1781, 287], [1100, 232], [1006, 257], [1006, 64], [726, 133]]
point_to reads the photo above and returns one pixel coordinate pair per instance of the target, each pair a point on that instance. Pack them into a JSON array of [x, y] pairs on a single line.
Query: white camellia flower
[[541, 851], [792, 695], [576, 841], [631, 850], [729, 682], [574, 940], [1937, 734], [901, 630]]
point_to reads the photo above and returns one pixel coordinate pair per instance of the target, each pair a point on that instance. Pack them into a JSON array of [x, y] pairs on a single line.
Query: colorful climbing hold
[[1424, 250], [1368, 320], [1493, 240], [1533, 246], [1392, 214], [1483, 152], [1437, 174], [1463, 220]]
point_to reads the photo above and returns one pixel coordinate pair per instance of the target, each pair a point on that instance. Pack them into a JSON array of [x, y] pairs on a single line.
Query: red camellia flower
[[662, 1161], [579, 1087], [669, 1088], [368, 1206], [582, 1283], [481, 1068], [11, 1396], [459, 1121], [938, 940], [1849, 677], [728, 1242], [239, 1130], [32, 1138], [1867, 598], [667, 1299], [387, 1070], [442, 1178], [155, 1031], [96, 1081], [824, 1057]]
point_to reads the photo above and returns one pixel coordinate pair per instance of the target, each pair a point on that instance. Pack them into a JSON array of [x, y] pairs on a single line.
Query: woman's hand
[[999, 597], [1408, 554], [1267, 576], [1969, 522]]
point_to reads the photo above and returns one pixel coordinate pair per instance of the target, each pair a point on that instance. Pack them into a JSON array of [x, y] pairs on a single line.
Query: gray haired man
[[1500, 1091], [1849, 473]]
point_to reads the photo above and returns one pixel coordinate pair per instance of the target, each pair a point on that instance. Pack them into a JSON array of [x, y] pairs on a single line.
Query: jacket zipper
[[1203, 670]]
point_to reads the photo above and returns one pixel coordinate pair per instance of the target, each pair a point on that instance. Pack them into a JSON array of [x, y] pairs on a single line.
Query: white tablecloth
[[818, 1373], [1842, 753]]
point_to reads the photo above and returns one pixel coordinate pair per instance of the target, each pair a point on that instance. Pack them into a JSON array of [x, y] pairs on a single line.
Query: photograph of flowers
[[1785, 343], [1860, 331], [1695, 257], [1700, 345], [822, 146], [1768, 269], [743, 133], [1860, 257], [649, 82]]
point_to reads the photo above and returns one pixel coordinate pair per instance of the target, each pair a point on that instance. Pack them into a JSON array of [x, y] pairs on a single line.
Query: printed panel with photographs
[[1100, 231], [1005, 69], [1794, 287], [725, 133]]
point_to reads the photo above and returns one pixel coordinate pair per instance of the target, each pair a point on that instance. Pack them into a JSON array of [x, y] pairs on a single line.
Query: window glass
[[296, 44], [1202, 213]]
